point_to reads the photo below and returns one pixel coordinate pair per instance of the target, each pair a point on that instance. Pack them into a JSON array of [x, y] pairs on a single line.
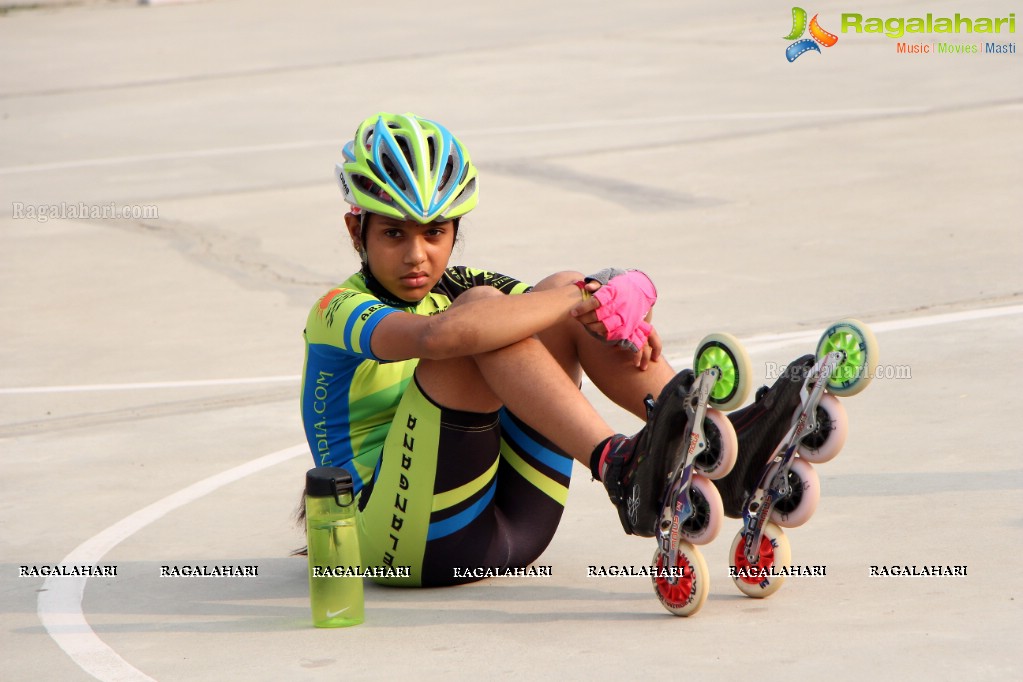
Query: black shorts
[[459, 490]]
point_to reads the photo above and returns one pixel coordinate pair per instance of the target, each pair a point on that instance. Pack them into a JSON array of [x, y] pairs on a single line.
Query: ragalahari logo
[[817, 35]]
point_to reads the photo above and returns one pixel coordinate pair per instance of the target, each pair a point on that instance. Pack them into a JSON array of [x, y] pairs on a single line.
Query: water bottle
[[335, 573]]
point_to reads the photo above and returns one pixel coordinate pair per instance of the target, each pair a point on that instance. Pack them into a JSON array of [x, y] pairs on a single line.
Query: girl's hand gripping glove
[[625, 299]]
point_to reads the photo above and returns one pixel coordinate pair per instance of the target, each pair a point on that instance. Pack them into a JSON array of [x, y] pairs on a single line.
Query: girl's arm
[[476, 326]]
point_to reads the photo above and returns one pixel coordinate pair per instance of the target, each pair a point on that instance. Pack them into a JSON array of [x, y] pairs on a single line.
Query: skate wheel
[[758, 581], [798, 506], [726, 353], [857, 341], [722, 446], [832, 428], [708, 512], [684, 595]]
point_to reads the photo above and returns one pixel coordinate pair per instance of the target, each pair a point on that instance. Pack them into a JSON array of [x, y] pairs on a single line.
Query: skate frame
[[774, 483], [677, 507]]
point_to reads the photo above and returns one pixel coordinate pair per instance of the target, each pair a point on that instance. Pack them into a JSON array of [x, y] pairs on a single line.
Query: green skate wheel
[[726, 353], [682, 596], [855, 339]]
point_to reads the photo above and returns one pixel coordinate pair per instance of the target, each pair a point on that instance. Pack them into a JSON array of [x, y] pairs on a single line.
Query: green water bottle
[[335, 580]]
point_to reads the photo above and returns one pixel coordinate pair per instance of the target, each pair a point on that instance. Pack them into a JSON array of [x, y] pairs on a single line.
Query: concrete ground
[[149, 364]]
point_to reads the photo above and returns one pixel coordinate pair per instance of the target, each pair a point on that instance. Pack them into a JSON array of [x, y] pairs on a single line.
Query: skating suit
[[440, 491]]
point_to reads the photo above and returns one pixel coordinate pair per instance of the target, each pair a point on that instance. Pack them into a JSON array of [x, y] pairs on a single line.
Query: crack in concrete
[[151, 411], [236, 257], [632, 195]]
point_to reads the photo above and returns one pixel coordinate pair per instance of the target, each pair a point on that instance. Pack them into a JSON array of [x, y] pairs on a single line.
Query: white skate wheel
[[684, 595], [799, 505], [832, 429], [758, 581], [722, 446], [708, 512]]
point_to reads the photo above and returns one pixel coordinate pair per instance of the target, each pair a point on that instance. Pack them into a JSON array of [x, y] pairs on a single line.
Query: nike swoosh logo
[[331, 614]]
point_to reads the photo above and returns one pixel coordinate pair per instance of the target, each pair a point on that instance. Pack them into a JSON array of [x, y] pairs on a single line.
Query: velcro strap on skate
[[613, 479], [616, 491]]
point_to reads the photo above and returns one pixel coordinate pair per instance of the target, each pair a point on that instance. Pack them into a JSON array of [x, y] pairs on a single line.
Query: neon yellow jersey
[[349, 396]]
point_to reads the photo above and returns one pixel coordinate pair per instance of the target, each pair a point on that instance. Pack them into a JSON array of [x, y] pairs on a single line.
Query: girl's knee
[[558, 279], [476, 294]]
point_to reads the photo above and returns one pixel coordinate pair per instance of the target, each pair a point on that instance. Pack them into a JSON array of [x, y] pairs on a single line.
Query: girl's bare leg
[[526, 379], [538, 379], [610, 368]]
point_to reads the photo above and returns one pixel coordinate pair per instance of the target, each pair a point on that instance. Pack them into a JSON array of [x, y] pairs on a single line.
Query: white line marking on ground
[[508, 130], [753, 344], [692, 118], [196, 383], [760, 343], [167, 156], [60, 601]]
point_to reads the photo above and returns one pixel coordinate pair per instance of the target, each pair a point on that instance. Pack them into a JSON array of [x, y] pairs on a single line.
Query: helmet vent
[[449, 168], [363, 183], [467, 193], [405, 149], [431, 145], [392, 173]]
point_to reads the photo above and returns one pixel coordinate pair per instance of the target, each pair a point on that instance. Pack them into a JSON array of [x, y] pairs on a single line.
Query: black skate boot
[[635, 470], [761, 428]]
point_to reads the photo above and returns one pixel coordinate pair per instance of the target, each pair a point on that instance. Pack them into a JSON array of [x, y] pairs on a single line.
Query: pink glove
[[624, 301]]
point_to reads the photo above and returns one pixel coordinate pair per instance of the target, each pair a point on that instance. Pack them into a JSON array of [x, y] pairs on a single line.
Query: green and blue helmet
[[408, 168]]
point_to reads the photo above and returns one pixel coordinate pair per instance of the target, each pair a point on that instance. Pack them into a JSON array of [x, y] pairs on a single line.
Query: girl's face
[[406, 257]]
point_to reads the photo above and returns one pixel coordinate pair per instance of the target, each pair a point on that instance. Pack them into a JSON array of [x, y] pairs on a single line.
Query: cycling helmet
[[408, 168]]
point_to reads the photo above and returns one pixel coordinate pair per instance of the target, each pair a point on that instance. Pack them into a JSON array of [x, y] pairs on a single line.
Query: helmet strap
[[362, 240]]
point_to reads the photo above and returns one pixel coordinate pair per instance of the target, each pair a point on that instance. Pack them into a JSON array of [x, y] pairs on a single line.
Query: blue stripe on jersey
[[346, 337], [367, 331], [325, 406], [556, 461], [463, 518]]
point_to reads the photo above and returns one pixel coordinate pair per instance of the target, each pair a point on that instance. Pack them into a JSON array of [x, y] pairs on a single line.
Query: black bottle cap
[[328, 482]]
